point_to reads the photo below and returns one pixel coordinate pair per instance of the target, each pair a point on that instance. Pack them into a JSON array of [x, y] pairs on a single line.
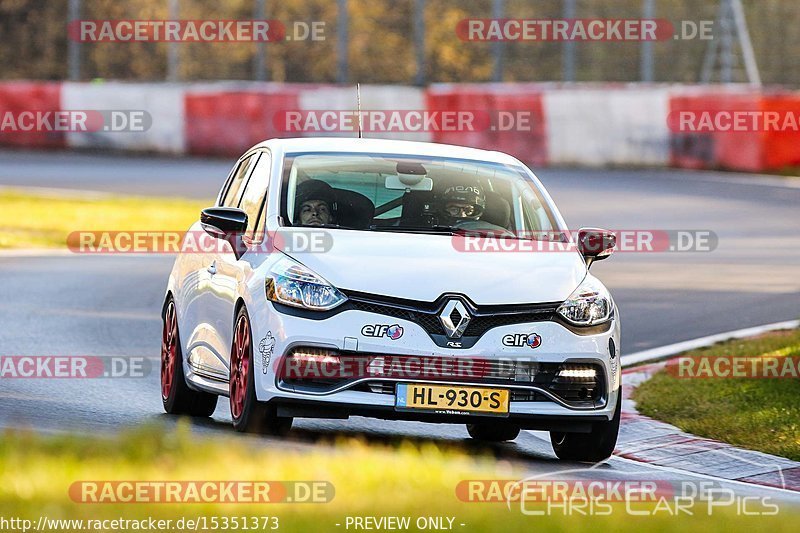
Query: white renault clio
[[396, 280]]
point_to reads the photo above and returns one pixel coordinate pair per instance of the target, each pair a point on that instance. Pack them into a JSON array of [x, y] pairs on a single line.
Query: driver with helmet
[[460, 203]]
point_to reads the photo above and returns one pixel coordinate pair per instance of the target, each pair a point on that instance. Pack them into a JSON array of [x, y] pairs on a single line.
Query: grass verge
[[45, 221], [414, 479], [759, 414]]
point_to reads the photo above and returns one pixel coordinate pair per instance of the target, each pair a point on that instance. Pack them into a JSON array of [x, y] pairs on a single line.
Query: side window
[[226, 184], [235, 189], [535, 215], [253, 200]]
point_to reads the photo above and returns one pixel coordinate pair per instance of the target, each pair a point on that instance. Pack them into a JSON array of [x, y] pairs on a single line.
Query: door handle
[[212, 268]]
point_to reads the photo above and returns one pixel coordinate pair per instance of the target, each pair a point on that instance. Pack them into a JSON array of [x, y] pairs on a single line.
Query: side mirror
[[595, 244], [226, 223]]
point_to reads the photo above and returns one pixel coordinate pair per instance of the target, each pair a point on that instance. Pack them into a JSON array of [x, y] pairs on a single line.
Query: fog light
[[577, 373], [311, 363], [312, 356]]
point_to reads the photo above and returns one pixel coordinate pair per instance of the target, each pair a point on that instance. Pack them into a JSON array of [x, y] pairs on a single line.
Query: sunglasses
[[456, 210]]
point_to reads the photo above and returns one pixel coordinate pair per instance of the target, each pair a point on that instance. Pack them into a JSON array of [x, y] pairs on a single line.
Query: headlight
[[588, 305], [290, 283]]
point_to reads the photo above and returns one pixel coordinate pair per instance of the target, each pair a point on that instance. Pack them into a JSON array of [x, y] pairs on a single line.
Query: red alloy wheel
[[240, 366], [169, 350]]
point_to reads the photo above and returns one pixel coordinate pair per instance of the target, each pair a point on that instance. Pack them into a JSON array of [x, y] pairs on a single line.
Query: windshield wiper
[[323, 226], [435, 230], [485, 232], [446, 230]]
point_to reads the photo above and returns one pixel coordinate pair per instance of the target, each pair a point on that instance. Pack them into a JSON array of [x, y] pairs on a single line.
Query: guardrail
[[699, 127]]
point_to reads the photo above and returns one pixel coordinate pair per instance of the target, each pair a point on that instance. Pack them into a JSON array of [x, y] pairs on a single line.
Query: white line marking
[[707, 476], [674, 349], [65, 252], [59, 192], [543, 435], [762, 180], [662, 352], [35, 252]]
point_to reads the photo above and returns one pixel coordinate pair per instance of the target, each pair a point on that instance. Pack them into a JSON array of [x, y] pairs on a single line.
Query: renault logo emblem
[[454, 318]]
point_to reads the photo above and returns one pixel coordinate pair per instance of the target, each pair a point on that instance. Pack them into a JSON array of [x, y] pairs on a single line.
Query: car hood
[[423, 267]]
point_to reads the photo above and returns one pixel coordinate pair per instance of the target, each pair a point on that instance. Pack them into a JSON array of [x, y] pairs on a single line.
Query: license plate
[[451, 399]]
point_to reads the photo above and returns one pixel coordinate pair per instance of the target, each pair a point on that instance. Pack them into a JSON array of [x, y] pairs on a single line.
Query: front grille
[[481, 324], [381, 387], [522, 373], [426, 314], [322, 370], [325, 368], [528, 396]]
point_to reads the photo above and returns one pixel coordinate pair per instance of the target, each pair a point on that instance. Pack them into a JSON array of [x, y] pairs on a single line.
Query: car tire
[[598, 445], [176, 396], [248, 414], [493, 431]]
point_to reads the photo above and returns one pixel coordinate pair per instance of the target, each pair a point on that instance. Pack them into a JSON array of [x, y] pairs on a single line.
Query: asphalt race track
[[109, 305]]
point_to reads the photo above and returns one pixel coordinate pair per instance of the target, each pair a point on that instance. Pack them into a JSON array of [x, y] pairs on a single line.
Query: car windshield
[[401, 193]]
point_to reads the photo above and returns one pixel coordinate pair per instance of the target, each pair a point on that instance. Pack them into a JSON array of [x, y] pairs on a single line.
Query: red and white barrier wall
[[516, 115], [163, 102], [607, 126], [18, 97], [227, 119], [750, 149], [580, 124]]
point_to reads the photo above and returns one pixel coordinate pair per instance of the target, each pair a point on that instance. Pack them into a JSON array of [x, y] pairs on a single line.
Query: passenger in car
[[315, 204]]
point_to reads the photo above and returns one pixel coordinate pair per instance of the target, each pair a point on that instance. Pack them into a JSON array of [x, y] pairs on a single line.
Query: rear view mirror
[[226, 223], [408, 182], [596, 244], [411, 176]]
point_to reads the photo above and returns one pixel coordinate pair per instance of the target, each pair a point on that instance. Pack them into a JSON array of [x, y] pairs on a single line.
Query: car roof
[[389, 146]]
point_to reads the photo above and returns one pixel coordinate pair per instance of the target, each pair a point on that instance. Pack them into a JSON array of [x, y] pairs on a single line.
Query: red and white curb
[[657, 443]]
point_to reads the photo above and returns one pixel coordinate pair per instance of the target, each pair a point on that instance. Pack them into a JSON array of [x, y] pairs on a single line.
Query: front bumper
[[344, 332]]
